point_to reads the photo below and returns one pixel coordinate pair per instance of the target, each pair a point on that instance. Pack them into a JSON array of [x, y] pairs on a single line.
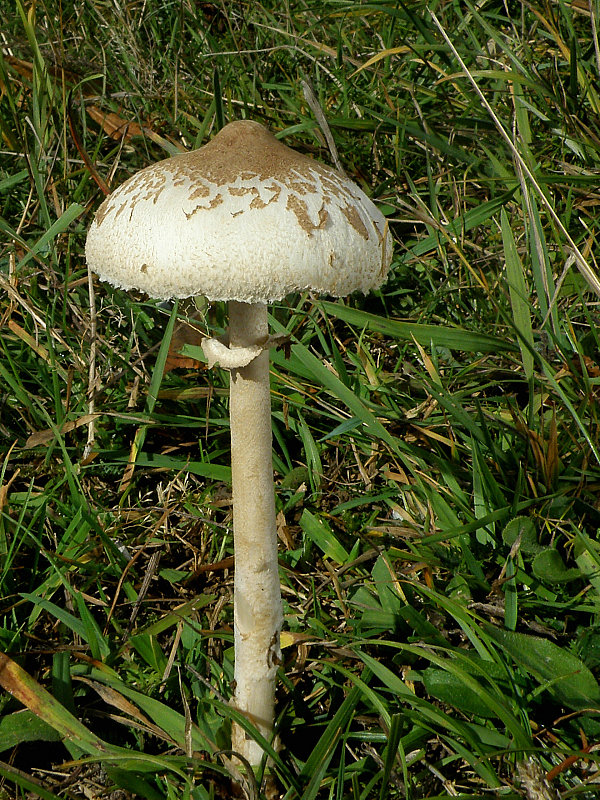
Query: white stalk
[[257, 612]]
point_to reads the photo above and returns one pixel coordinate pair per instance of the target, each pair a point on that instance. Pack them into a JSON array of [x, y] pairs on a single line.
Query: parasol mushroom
[[247, 220]]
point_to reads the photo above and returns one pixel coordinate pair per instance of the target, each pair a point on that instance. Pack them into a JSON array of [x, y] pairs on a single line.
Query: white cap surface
[[243, 218]]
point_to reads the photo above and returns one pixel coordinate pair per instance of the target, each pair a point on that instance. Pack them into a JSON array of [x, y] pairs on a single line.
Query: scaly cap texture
[[243, 218]]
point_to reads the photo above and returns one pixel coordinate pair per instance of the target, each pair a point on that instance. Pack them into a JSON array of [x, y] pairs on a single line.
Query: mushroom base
[[258, 614]]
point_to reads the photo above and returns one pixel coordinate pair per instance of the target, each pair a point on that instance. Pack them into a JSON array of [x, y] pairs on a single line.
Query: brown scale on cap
[[244, 151]]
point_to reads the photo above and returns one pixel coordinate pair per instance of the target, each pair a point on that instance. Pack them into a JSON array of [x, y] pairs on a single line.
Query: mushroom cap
[[242, 218]]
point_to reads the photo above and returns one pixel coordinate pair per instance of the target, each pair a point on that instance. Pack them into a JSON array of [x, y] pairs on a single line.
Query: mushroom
[[248, 220]]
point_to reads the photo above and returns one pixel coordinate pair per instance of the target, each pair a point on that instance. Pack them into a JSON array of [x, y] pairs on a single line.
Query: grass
[[436, 444]]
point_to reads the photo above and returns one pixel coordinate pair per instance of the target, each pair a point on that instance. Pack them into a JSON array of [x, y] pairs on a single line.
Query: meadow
[[435, 443]]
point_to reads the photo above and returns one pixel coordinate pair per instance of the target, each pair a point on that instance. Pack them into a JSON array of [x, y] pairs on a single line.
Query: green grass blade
[[389, 763], [425, 335], [323, 752], [519, 296], [58, 227], [215, 472], [322, 535]]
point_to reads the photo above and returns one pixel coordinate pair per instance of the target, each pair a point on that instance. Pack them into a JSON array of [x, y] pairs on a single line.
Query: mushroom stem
[[258, 614]]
